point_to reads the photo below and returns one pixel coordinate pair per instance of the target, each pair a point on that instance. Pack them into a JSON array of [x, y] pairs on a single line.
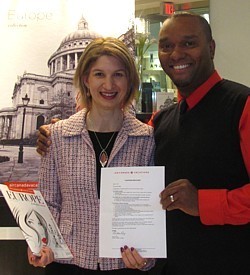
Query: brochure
[[34, 218]]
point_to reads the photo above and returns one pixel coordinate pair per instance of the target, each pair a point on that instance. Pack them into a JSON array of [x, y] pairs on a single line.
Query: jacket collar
[[76, 125]]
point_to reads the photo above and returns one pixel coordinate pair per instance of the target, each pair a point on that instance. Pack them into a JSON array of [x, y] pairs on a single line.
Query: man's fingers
[[54, 120], [44, 130], [42, 148]]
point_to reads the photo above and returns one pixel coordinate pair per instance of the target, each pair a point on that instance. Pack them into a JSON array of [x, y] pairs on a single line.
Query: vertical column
[[61, 67], [76, 60], [1, 126], [68, 61], [58, 64]]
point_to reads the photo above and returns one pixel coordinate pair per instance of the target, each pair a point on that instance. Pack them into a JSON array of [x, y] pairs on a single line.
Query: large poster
[[41, 43]]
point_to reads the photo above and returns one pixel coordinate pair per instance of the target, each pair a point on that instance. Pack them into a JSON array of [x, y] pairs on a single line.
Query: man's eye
[[189, 43], [166, 47]]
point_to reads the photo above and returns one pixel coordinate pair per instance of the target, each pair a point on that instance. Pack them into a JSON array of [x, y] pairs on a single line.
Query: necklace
[[103, 156]]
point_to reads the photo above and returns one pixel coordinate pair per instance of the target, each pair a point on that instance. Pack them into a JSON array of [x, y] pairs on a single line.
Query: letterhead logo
[[131, 172]]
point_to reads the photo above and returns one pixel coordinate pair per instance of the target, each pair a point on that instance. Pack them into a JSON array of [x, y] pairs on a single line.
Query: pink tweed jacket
[[68, 181]]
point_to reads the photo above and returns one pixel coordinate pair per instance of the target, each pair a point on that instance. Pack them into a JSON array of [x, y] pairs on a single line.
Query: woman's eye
[[98, 74], [119, 74]]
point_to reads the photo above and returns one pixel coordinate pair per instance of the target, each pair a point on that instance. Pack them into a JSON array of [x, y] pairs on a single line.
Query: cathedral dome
[[83, 33], [65, 58]]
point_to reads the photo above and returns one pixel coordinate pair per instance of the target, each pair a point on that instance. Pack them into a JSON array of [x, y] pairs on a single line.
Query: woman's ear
[[85, 81]]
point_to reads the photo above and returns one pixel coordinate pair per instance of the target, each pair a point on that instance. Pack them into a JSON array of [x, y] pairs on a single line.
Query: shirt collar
[[201, 91]]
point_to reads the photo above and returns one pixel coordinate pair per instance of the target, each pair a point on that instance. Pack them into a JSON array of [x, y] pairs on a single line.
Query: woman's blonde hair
[[111, 47]]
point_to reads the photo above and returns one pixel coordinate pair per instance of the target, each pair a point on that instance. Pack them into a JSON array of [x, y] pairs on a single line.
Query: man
[[205, 149]]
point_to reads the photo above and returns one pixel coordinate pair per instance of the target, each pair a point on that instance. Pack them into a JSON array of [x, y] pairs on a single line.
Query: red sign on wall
[[168, 8]]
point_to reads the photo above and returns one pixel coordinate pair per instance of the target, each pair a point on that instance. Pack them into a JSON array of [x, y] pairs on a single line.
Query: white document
[[130, 211]]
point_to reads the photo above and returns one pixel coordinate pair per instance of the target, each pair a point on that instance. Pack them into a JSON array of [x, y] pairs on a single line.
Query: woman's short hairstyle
[[111, 47]]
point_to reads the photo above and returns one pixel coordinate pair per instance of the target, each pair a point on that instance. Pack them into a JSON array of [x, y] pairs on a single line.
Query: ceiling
[[139, 4], [150, 9]]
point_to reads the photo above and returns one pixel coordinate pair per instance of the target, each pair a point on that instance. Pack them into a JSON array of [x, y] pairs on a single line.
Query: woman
[[103, 134]]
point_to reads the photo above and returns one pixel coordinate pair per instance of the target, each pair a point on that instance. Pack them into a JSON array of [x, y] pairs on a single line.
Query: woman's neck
[[105, 121]]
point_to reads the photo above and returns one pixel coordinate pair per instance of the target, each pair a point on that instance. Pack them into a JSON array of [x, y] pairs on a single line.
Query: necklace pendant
[[103, 158]]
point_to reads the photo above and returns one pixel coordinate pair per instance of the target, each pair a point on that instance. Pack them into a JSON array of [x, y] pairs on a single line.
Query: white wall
[[230, 22]]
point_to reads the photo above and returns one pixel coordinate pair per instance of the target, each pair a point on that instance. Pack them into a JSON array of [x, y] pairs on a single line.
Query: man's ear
[[212, 46]]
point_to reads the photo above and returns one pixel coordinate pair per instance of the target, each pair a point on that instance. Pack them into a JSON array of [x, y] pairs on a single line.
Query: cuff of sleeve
[[210, 206]]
